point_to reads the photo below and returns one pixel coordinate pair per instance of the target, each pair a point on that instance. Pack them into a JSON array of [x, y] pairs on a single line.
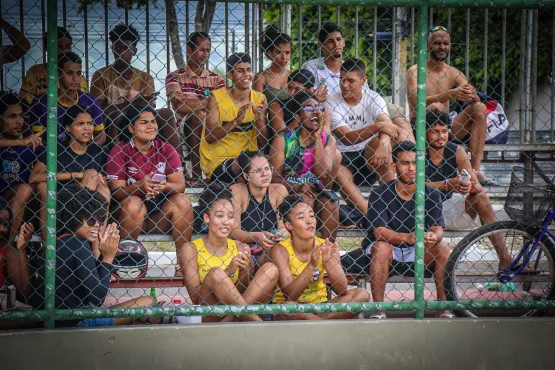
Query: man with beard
[[445, 83], [444, 161], [236, 122], [391, 232]]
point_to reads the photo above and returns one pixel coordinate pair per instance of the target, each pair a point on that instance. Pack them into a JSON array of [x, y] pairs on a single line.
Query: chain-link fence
[[219, 158]]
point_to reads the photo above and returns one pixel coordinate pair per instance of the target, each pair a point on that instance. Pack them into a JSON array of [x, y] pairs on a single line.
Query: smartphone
[[159, 177], [465, 176]]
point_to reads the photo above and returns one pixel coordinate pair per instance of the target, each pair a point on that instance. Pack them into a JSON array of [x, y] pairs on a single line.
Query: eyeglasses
[[259, 171], [313, 108], [438, 28], [92, 222]]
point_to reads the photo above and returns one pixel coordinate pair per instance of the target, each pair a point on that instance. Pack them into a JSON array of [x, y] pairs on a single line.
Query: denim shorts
[[90, 323]]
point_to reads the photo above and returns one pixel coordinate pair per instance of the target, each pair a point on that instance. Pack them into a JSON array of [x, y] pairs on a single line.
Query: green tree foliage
[[384, 23]]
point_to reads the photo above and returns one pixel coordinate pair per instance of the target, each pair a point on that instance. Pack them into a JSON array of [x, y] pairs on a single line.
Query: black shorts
[[155, 204], [224, 172], [357, 262], [356, 163]]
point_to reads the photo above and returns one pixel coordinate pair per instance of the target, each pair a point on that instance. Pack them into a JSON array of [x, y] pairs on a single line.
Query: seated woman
[[145, 176], [303, 259], [303, 160], [216, 268], [255, 204], [82, 273], [79, 159]]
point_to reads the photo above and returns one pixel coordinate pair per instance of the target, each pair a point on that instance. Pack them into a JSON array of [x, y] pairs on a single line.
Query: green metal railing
[[49, 315]]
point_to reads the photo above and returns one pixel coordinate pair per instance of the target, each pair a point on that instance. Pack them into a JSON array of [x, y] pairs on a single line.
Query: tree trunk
[[173, 31], [204, 15]]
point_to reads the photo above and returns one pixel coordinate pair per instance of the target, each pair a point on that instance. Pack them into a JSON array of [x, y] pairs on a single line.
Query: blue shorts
[[90, 323]]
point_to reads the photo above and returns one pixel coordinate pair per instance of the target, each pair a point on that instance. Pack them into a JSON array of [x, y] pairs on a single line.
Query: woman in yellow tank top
[[216, 269], [302, 261]]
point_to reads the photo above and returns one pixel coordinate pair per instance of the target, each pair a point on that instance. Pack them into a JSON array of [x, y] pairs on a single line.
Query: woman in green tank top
[[273, 80]]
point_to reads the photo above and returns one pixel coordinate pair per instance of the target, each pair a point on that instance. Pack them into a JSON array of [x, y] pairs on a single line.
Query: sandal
[[445, 315], [378, 316], [490, 182]]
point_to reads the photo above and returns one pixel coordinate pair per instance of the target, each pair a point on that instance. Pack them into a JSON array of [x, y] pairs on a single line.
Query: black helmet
[[131, 260]]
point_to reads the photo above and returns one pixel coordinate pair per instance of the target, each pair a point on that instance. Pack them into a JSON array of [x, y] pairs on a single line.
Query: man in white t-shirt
[[365, 133]]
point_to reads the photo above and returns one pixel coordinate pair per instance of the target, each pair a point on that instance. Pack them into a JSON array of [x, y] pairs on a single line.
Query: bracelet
[[446, 185]]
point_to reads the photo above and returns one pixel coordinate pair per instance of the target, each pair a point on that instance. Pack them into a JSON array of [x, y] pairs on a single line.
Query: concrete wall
[[395, 344]]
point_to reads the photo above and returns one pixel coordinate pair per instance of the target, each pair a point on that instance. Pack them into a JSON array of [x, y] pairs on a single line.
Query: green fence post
[[420, 160], [51, 164]]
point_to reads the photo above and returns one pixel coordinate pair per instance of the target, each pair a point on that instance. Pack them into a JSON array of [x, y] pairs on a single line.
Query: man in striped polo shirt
[[188, 89]]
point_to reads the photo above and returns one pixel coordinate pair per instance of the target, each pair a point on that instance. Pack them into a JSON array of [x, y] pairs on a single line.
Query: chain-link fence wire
[[327, 173]]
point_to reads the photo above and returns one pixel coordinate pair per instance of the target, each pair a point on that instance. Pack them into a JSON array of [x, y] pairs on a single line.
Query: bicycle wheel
[[471, 271]]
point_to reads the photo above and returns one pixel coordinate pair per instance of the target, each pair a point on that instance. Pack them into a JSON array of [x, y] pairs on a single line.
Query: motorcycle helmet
[[131, 260]]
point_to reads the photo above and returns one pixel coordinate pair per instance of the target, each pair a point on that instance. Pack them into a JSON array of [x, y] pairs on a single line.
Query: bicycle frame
[[525, 254]]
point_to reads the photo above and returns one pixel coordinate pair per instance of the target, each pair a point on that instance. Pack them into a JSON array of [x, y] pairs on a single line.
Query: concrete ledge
[[396, 345]]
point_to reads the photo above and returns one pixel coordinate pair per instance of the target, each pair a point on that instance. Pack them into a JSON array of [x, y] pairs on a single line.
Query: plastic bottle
[[153, 294]]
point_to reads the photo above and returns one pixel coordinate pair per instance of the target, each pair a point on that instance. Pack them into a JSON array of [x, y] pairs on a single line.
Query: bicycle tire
[[546, 245]]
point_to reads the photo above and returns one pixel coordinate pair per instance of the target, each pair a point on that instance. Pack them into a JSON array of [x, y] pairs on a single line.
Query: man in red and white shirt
[[145, 177], [188, 89]]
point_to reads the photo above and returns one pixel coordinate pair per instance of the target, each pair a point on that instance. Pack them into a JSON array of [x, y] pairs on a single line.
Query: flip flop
[[490, 182], [378, 316]]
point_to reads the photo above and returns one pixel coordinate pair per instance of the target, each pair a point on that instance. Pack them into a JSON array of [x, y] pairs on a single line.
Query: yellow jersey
[[241, 139], [316, 291], [206, 261], [36, 80]]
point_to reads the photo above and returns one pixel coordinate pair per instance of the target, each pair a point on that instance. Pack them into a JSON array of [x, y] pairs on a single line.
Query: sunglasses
[[313, 108], [438, 28]]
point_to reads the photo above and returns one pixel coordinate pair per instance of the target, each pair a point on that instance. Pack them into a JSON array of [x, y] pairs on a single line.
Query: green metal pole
[[51, 164], [420, 160]]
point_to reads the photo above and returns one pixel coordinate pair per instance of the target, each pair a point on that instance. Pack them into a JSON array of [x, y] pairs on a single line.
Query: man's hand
[[242, 113], [390, 129], [459, 186], [462, 93], [381, 154], [258, 109], [430, 239], [25, 235], [35, 140]]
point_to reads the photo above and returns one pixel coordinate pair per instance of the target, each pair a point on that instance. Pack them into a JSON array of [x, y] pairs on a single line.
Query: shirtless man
[[445, 83]]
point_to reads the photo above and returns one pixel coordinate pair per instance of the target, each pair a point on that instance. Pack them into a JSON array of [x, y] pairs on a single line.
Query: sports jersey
[[316, 291], [299, 160], [39, 116], [240, 139], [35, 82], [206, 261], [17, 162], [127, 162]]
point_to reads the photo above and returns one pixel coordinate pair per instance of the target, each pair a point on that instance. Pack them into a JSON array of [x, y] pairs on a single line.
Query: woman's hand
[[264, 239], [25, 235], [316, 256], [240, 261], [109, 241], [329, 250]]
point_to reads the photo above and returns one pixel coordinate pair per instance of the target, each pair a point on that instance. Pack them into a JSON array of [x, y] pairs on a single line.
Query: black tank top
[[446, 170], [259, 216]]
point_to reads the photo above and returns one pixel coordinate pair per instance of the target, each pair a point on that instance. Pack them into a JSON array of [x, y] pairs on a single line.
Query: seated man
[[188, 89], [36, 80], [236, 122], [79, 160], [18, 152], [145, 176], [303, 163], [444, 162], [391, 232], [69, 94], [365, 133], [118, 84], [445, 83]]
